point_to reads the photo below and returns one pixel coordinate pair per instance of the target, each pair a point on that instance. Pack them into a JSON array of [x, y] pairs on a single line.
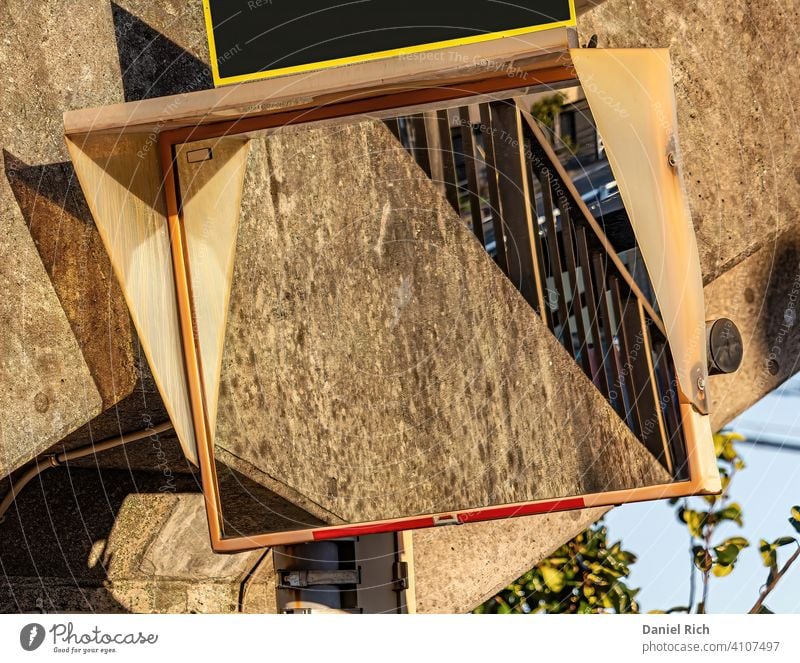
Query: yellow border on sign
[[367, 57]]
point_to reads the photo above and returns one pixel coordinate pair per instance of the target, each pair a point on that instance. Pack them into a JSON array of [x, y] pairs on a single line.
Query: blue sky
[[766, 489]]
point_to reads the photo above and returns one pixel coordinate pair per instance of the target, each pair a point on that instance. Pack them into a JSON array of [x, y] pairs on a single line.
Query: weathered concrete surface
[[737, 93], [76, 262], [91, 55], [762, 295], [377, 361], [46, 390], [119, 542], [142, 409], [457, 568], [51, 61], [66, 60], [43, 71]]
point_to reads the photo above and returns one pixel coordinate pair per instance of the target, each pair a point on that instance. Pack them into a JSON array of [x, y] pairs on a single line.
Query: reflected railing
[[498, 171]]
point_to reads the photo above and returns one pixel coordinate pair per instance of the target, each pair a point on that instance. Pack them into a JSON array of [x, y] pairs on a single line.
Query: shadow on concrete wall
[[73, 255], [61, 224], [779, 324], [51, 539], [153, 65]]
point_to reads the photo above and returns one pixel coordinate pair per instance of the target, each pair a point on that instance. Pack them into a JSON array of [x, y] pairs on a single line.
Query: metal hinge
[[311, 578], [400, 578]]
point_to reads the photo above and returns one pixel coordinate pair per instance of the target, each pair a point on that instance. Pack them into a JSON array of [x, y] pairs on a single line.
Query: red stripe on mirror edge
[[479, 515]]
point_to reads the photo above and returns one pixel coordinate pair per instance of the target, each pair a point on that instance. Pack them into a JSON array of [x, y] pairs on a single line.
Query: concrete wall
[[67, 350], [737, 90]]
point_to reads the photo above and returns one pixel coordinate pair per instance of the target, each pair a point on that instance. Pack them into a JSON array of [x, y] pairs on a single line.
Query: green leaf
[[729, 452], [624, 602], [693, 520], [783, 541], [722, 570], [732, 512], [724, 445], [794, 522], [765, 548], [768, 554], [764, 610], [796, 512], [553, 578], [738, 541], [727, 554], [502, 607]]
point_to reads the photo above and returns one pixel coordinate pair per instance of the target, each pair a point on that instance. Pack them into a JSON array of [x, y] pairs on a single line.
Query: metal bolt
[[701, 383], [672, 160]]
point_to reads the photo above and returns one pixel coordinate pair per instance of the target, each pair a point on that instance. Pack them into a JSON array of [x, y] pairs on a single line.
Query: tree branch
[[774, 582]]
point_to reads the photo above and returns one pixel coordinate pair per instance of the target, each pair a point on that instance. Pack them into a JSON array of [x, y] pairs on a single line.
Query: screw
[[672, 160], [701, 383]]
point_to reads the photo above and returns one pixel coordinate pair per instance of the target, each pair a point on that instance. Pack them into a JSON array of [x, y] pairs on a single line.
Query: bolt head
[[672, 160]]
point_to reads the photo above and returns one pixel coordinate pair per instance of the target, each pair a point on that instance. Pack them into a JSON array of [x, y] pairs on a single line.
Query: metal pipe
[[56, 460], [778, 444]]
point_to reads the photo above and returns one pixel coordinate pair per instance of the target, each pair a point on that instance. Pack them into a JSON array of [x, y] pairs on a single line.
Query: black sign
[[252, 39]]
